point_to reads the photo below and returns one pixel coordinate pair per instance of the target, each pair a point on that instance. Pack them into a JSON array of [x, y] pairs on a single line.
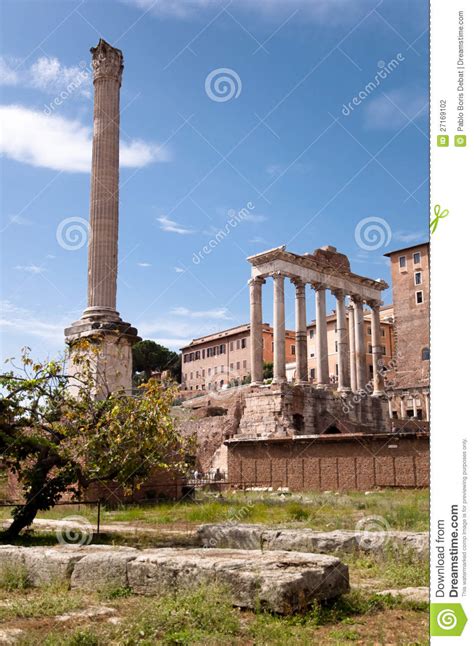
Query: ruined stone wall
[[304, 410], [336, 463]]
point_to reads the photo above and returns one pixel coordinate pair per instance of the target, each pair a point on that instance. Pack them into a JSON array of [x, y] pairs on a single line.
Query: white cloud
[[62, 144], [47, 74], [220, 313], [171, 226], [394, 109], [31, 269], [179, 270], [177, 328], [410, 236], [8, 73], [144, 264], [319, 10], [22, 320], [255, 218]]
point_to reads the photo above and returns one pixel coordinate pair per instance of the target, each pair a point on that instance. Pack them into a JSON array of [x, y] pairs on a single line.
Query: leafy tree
[[60, 440], [149, 356], [267, 370]]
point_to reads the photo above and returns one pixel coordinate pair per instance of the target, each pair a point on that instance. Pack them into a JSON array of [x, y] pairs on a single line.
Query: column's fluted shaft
[[107, 63], [301, 333], [279, 369], [352, 359], [256, 340], [377, 350], [322, 360], [359, 327], [342, 343]]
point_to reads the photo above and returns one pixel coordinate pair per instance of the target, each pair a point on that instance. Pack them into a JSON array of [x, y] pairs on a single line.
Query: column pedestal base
[[108, 347]]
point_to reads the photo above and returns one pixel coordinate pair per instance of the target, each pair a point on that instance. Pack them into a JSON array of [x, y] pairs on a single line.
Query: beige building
[[409, 393], [217, 360]]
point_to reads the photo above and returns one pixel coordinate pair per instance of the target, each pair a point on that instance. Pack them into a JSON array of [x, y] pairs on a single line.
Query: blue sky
[[280, 140]]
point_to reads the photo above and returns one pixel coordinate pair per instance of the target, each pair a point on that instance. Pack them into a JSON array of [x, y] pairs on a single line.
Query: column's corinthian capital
[[107, 62], [256, 280]]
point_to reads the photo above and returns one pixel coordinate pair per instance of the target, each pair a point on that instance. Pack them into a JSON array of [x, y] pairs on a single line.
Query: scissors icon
[[438, 215]]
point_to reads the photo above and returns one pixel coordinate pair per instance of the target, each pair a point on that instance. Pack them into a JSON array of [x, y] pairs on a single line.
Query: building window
[[370, 348], [191, 376], [293, 350], [311, 334], [337, 370], [425, 354], [335, 345], [384, 350], [238, 365], [222, 368], [222, 348], [382, 331], [312, 373], [419, 298], [208, 371], [237, 344], [215, 372], [402, 261], [244, 364], [416, 258], [418, 278], [198, 354], [244, 343], [231, 366], [369, 331], [231, 346]]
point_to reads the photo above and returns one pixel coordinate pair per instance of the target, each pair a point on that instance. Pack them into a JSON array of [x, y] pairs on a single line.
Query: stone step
[[250, 537], [282, 582]]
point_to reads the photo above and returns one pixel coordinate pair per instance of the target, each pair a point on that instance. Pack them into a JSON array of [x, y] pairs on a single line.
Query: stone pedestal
[[108, 348]]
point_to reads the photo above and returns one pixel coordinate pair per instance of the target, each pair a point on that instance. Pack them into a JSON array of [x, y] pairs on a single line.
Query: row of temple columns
[[352, 373]]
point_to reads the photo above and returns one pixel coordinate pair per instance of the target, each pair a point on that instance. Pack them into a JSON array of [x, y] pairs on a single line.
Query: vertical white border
[[452, 248]]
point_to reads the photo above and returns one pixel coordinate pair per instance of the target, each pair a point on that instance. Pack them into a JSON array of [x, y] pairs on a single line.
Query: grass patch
[[394, 570], [403, 509], [14, 577], [48, 601]]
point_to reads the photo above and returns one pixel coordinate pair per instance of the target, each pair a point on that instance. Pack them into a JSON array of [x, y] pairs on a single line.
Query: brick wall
[[411, 326], [336, 463]]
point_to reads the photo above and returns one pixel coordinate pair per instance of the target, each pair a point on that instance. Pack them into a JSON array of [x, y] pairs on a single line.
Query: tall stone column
[[279, 371], [107, 65], [352, 355], [427, 406], [359, 328], [301, 333], [377, 359], [110, 339], [415, 407], [342, 343], [256, 338], [403, 407], [322, 362]]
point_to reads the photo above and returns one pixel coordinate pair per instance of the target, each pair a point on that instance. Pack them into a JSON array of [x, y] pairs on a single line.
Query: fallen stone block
[[250, 537], [278, 581], [102, 570]]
